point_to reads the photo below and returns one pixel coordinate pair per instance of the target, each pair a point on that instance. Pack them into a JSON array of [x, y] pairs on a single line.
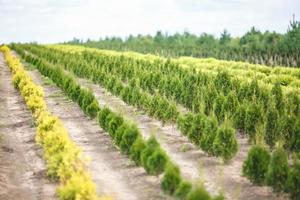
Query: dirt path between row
[[194, 164], [112, 172], [22, 169]]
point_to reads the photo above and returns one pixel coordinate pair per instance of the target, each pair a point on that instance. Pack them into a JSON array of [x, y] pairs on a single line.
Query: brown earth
[[22, 169]]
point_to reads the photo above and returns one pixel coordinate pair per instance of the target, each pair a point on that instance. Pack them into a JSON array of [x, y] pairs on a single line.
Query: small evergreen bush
[[136, 150], [278, 170], [131, 133], [255, 166], [225, 143], [183, 190], [198, 193], [293, 183]]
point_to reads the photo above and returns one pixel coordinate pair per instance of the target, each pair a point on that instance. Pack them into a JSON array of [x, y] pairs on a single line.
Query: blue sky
[[50, 21]]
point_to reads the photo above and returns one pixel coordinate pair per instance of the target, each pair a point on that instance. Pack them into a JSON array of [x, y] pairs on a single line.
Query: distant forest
[[268, 48]]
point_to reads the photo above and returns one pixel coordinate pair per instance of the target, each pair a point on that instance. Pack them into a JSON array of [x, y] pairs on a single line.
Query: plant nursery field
[[80, 123]]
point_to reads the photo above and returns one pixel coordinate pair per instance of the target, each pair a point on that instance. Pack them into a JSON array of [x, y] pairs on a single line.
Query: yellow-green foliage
[[241, 70], [63, 157]]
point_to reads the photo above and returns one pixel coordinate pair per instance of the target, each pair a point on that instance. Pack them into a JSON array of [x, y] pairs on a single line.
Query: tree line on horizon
[[255, 46]]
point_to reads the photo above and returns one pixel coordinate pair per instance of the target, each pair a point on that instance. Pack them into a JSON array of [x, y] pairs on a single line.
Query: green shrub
[[183, 190], [74, 92], [278, 170], [102, 115], [87, 99], [252, 118], [67, 82], [253, 90], [171, 179], [131, 133], [80, 98], [293, 183], [136, 150], [292, 133], [115, 122], [293, 103], [239, 117], [185, 123], [199, 193], [223, 82], [272, 129], [231, 103], [151, 146], [93, 109], [208, 135], [125, 94], [225, 143], [242, 91], [171, 113], [255, 166], [157, 162], [119, 133], [218, 108], [278, 97], [196, 129], [108, 119], [209, 96]]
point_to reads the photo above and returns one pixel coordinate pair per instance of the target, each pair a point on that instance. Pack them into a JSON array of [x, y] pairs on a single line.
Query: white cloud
[[50, 21]]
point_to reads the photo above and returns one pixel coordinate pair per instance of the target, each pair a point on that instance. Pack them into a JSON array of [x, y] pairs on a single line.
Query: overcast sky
[[50, 21]]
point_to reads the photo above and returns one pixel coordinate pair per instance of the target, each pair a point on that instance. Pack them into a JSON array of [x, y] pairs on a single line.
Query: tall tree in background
[[225, 37]]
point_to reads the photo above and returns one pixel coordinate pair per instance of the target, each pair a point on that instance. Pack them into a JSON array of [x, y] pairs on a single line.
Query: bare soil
[[194, 164], [22, 169], [114, 174]]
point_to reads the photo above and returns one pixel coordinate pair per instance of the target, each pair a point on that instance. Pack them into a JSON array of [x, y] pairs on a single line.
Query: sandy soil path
[[112, 172], [22, 169]]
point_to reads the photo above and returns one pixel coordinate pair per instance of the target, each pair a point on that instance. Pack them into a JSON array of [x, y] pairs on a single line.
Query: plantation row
[[248, 105], [63, 157], [199, 128], [257, 111], [124, 134], [245, 72]]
